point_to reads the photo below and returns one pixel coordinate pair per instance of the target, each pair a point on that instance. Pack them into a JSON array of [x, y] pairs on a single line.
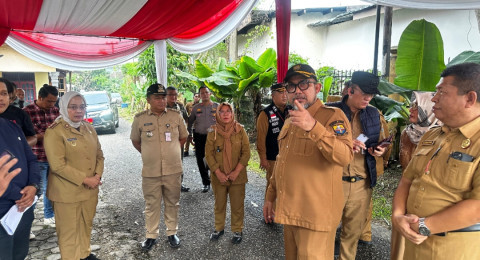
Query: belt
[[352, 178], [472, 228]]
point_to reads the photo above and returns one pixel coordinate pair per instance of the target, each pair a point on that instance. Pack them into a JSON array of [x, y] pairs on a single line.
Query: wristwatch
[[36, 187], [422, 228]]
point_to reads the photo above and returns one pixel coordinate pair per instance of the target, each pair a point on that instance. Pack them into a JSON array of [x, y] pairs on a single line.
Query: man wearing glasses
[[360, 176], [315, 144], [172, 98]]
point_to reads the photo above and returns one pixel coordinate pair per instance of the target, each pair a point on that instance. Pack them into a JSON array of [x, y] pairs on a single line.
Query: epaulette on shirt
[[54, 124], [141, 113], [174, 110]]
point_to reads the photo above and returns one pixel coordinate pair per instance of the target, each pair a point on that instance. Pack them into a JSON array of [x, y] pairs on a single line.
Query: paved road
[[119, 223]]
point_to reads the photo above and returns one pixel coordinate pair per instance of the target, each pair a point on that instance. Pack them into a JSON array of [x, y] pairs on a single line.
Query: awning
[[92, 34]]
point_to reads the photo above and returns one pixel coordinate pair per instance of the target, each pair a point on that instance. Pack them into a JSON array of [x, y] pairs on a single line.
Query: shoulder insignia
[[338, 127], [141, 113], [428, 142], [174, 110], [54, 124]]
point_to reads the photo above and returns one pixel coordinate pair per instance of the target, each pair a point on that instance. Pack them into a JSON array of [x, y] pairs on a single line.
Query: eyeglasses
[[365, 95], [225, 112], [75, 108], [175, 95], [414, 105], [302, 85]]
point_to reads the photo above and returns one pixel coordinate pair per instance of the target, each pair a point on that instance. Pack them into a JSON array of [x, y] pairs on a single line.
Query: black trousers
[[200, 141]]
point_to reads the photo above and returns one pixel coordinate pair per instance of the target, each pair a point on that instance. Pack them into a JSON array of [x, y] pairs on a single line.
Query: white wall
[[350, 45]]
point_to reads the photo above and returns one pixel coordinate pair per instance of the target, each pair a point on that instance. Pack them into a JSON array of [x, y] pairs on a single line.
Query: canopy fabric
[[429, 4], [58, 33]]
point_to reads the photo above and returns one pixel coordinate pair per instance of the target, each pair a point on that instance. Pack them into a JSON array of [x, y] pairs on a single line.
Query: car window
[[93, 99]]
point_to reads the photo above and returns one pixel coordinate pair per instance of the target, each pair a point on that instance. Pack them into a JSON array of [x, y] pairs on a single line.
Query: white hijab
[[63, 104], [426, 117]]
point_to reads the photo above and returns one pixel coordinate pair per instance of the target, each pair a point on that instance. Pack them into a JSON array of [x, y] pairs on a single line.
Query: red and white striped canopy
[[89, 34]]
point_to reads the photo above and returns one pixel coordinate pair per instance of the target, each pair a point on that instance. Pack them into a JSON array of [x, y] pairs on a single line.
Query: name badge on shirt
[[168, 137]]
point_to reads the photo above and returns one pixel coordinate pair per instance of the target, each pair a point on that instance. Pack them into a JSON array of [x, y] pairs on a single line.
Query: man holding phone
[[360, 176]]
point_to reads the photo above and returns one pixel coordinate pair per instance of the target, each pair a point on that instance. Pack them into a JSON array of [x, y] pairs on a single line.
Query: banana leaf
[[420, 58], [267, 59], [466, 56]]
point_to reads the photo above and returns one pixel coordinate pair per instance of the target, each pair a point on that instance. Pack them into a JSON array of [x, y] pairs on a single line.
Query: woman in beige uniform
[[76, 167], [227, 152], [421, 119]]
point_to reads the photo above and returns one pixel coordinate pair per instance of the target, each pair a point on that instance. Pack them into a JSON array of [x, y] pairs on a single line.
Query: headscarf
[[426, 117], [226, 129], [63, 105]]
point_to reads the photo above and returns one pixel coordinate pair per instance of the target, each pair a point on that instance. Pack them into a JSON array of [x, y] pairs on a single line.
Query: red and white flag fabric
[[91, 34]]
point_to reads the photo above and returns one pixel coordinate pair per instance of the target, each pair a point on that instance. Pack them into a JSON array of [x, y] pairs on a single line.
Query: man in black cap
[[269, 123], [158, 134], [360, 176], [315, 143]]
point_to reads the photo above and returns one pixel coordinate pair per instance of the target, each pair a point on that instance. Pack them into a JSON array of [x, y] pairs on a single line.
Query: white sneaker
[[32, 236], [49, 221]]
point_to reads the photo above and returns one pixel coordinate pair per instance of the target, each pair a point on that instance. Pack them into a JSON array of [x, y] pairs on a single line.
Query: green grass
[[254, 163]]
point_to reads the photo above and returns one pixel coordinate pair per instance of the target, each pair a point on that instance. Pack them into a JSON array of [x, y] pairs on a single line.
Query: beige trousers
[[156, 189], [236, 193], [306, 244], [73, 222], [357, 204]]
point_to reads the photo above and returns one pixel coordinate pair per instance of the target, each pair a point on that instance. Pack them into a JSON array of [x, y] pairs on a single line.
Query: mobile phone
[[7, 152], [384, 143]]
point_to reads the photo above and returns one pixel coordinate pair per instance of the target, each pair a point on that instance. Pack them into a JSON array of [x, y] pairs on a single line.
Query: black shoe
[[90, 257], [185, 189], [174, 241], [148, 243], [216, 235], [364, 242], [205, 188], [237, 237], [185, 154]]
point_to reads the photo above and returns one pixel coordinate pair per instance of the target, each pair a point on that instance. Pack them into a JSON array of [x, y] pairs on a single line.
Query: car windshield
[[93, 99], [115, 95]]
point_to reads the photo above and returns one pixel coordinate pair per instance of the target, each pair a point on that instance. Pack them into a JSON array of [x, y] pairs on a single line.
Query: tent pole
[[377, 35]]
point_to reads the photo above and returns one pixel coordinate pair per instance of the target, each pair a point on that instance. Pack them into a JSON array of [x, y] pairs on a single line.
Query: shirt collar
[[468, 130]]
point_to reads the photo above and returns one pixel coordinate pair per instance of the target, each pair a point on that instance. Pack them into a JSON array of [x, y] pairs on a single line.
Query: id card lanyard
[[168, 134]]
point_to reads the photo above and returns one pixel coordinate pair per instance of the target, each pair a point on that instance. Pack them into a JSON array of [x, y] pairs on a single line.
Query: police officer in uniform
[[158, 134], [269, 123], [201, 119], [436, 205], [315, 144], [360, 176], [172, 95]]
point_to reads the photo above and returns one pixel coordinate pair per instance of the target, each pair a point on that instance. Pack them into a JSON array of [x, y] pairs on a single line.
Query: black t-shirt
[[21, 118]]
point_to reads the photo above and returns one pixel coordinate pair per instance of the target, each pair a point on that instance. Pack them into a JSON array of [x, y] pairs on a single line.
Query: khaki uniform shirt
[[357, 166], [159, 137], [240, 154], [447, 180], [262, 130], [72, 155], [306, 180]]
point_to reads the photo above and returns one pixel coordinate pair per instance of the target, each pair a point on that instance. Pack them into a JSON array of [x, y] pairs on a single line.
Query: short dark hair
[[9, 84], [171, 88], [466, 77], [46, 90], [202, 87]]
